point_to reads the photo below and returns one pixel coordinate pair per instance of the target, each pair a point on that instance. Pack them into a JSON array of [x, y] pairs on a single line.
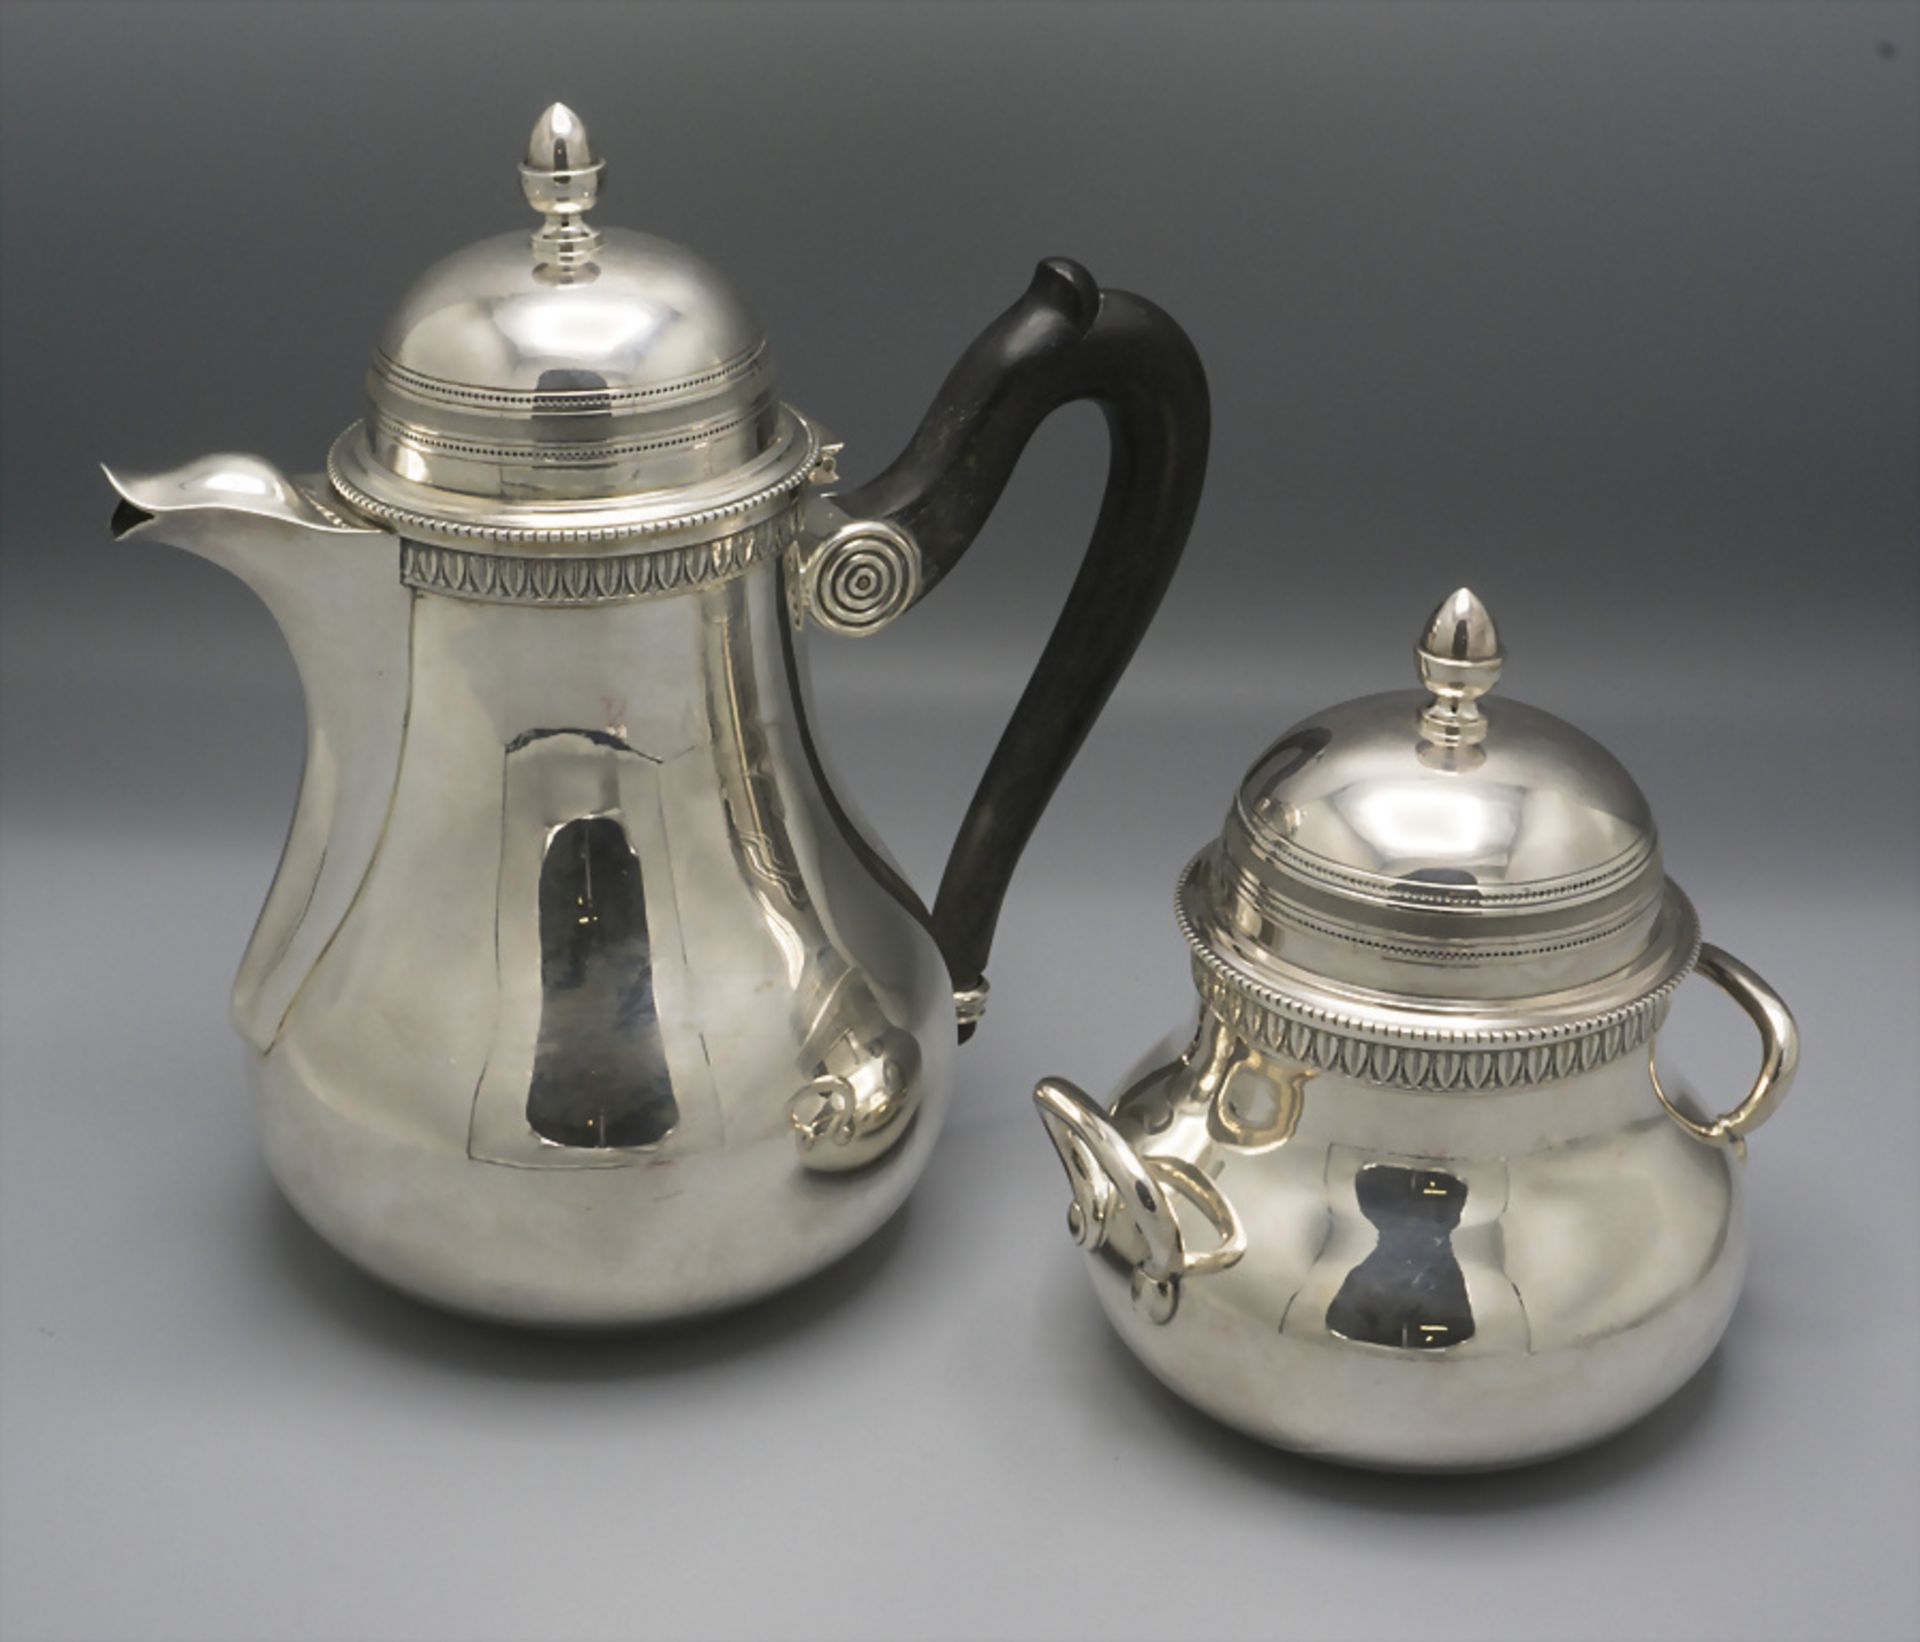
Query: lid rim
[[1388, 890], [442, 515], [1522, 1022], [597, 401], [1430, 889], [1424, 932]]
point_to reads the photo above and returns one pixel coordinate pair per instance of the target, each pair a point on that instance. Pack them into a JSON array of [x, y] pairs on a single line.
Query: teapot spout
[[239, 511], [334, 588]]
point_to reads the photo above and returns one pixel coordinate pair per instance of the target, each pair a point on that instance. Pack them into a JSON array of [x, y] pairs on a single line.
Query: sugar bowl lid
[[570, 386], [1440, 884]]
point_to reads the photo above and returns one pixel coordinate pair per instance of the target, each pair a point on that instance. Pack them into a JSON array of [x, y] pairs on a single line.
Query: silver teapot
[[579, 999], [1415, 1196]]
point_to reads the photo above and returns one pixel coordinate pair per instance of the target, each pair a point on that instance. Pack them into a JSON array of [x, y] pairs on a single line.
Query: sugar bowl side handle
[[1779, 1054], [1124, 1201]]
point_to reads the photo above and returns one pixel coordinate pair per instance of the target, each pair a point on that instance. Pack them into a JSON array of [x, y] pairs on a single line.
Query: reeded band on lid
[[573, 387], [1427, 873]]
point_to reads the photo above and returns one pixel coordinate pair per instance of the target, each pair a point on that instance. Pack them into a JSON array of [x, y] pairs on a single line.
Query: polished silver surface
[[1460, 661], [855, 575], [1779, 1056], [618, 1007], [1434, 871], [561, 178], [576, 386], [330, 585], [1415, 1195], [1427, 1281], [575, 1001]]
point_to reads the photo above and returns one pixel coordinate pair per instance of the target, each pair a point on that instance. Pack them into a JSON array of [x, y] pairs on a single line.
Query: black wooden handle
[[1064, 340]]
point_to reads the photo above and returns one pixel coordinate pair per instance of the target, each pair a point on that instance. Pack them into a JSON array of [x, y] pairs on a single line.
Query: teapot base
[[643, 1241]]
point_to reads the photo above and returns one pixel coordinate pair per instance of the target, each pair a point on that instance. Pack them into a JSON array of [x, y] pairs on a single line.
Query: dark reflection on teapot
[[588, 394], [599, 1067], [1409, 1292]]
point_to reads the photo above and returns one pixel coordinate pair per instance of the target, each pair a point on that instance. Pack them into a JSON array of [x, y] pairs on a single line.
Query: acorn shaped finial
[[1460, 660], [559, 142], [561, 178]]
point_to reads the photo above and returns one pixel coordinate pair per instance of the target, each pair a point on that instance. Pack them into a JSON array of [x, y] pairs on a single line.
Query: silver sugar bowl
[[1415, 1197]]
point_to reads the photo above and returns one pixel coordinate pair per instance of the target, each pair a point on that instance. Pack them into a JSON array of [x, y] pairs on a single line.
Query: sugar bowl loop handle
[[1065, 340], [1111, 1180], [1780, 1054]]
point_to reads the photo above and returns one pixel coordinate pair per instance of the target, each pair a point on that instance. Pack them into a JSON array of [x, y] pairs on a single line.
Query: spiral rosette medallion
[[862, 576]]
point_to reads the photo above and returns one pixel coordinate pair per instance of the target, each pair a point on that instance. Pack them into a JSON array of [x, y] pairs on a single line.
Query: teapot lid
[[571, 386], [1441, 872]]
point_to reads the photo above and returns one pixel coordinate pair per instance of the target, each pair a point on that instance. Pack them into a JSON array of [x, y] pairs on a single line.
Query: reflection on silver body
[[799, 1025], [1414, 1196], [577, 1000]]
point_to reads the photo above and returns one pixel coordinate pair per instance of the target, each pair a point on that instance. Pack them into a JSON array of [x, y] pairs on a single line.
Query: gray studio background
[[1607, 311]]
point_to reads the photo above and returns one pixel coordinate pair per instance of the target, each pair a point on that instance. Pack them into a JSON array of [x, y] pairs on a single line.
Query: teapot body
[[1449, 1280], [620, 1023], [578, 998]]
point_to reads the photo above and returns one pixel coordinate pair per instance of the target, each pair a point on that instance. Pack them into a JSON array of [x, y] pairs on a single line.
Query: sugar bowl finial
[[561, 177], [1459, 653]]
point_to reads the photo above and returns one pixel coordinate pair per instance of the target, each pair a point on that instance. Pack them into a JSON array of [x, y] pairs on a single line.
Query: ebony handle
[[1064, 340]]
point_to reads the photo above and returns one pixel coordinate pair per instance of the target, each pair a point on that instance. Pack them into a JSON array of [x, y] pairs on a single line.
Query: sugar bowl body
[[1414, 1196]]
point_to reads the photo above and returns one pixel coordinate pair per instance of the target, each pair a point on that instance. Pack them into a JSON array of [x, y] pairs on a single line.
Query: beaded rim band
[[1407, 1055], [408, 521]]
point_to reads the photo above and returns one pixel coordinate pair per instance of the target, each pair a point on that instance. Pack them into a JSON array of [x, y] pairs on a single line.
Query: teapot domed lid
[[1441, 862], [572, 385]]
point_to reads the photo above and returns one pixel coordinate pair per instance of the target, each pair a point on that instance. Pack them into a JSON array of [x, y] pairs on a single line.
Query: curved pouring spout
[[335, 590]]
